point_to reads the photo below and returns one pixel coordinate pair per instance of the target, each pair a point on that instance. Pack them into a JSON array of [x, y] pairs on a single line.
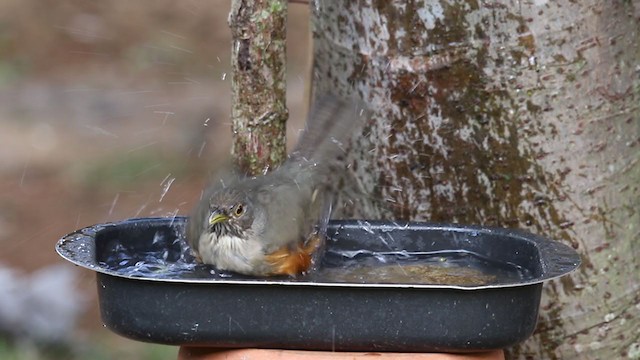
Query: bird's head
[[229, 213]]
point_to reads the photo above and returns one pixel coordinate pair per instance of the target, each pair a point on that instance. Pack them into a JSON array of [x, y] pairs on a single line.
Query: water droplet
[[166, 186]]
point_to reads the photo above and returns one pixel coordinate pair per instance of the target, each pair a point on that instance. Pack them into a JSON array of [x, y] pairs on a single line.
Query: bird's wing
[[330, 124]]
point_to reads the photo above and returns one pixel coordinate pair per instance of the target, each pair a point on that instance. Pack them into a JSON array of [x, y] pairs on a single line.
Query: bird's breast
[[228, 252]]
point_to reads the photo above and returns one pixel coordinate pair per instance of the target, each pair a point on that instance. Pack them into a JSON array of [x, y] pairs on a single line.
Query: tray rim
[[86, 236]]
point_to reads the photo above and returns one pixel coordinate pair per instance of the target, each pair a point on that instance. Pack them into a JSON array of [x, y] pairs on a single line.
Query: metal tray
[[206, 308]]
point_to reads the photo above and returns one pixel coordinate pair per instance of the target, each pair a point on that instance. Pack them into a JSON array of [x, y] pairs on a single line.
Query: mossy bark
[[520, 114], [259, 112]]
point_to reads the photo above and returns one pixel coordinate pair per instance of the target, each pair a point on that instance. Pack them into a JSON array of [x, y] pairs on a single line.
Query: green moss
[[277, 6]]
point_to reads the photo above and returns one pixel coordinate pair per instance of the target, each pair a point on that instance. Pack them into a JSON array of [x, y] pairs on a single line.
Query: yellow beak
[[217, 217]]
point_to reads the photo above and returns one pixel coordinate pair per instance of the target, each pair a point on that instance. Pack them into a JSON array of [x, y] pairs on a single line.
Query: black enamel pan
[[150, 291]]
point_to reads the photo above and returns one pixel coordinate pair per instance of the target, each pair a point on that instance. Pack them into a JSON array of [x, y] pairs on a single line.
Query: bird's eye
[[239, 210]]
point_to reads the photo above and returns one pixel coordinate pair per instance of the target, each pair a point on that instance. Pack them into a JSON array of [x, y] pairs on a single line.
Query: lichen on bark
[[258, 57], [515, 114]]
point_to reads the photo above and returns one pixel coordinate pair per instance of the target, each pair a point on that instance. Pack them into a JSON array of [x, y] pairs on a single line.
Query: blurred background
[[108, 110]]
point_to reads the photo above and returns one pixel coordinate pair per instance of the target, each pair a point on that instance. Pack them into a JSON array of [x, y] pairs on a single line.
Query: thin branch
[[259, 112]]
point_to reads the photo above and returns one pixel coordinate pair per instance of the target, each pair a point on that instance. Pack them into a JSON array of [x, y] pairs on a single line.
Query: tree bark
[[520, 114], [258, 57]]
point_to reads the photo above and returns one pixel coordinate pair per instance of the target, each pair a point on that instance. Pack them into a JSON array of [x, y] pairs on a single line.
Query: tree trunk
[[258, 58], [508, 113]]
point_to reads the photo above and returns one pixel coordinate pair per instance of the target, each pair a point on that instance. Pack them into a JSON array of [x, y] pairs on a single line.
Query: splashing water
[[166, 184], [163, 256], [166, 255]]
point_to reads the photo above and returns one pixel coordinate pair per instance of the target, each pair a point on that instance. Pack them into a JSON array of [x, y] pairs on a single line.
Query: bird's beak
[[217, 217]]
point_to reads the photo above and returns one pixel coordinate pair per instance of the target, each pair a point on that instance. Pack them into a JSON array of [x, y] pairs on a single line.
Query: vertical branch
[[258, 57]]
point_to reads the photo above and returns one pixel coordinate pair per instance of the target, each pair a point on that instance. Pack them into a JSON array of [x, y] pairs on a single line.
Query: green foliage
[[92, 350], [125, 170]]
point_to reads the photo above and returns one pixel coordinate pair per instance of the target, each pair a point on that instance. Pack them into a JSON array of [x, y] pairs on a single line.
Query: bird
[[273, 224]]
